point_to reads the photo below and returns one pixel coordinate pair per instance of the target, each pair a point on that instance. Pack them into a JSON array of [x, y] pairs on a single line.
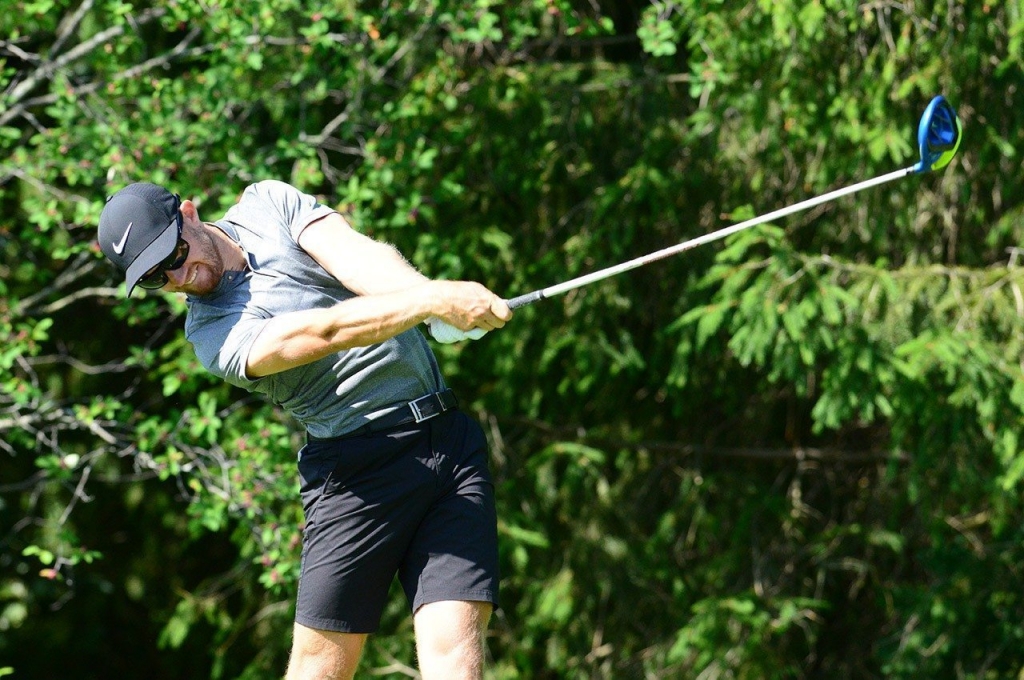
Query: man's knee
[[323, 654]]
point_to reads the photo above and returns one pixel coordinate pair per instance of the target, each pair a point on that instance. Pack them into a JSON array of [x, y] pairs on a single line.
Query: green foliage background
[[794, 454]]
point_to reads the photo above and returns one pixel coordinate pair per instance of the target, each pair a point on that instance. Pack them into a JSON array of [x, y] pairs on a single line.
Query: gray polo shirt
[[333, 395]]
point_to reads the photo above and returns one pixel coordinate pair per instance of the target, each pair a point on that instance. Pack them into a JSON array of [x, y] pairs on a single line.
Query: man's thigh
[[324, 654], [361, 516], [454, 554], [450, 639]]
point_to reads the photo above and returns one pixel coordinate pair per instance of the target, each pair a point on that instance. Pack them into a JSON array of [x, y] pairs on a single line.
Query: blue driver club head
[[938, 135]]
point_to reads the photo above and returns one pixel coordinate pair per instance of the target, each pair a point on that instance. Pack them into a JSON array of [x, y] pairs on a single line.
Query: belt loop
[[448, 399]]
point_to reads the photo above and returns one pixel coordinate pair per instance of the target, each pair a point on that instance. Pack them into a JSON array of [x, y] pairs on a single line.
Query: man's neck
[[231, 252]]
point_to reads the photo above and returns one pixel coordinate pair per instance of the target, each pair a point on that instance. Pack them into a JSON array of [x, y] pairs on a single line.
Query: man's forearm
[[299, 338]]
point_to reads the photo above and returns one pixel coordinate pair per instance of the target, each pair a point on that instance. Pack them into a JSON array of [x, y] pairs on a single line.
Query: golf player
[[286, 299]]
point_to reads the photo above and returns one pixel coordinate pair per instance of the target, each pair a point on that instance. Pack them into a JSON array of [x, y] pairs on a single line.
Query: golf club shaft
[[587, 279]]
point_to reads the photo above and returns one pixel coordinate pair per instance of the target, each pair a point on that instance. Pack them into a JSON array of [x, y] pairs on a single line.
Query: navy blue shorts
[[416, 501]]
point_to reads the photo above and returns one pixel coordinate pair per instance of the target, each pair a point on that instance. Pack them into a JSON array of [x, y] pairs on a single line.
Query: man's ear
[[189, 212]]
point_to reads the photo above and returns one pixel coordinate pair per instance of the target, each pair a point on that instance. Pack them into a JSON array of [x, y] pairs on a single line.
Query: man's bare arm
[[392, 297], [300, 337], [361, 264]]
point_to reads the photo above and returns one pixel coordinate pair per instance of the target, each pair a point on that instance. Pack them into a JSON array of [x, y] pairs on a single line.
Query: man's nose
[[176, 277]]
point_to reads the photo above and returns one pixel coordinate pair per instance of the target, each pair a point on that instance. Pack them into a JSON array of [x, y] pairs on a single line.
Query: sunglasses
[[157, 276]]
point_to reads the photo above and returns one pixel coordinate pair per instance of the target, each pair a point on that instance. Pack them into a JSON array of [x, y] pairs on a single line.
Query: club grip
[[524, 300]]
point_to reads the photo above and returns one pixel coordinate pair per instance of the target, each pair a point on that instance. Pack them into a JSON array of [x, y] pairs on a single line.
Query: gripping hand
[[445, 333]]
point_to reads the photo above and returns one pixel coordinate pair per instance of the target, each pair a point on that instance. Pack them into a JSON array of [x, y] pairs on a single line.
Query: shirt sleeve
[[297, 209], [222, 344]]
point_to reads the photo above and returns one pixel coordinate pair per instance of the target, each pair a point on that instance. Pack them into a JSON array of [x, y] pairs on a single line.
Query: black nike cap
[[139, 229]]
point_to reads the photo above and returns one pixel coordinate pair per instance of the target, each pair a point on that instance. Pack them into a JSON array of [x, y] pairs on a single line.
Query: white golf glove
[[445, 333]]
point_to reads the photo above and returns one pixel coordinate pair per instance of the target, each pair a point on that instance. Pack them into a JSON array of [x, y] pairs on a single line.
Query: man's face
[[202, 269]]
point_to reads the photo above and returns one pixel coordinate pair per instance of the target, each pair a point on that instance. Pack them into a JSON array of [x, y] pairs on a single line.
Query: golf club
[[938, 137]]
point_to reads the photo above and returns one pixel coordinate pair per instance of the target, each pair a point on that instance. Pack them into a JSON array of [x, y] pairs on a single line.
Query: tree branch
[[70, 24], [48, 68], [15, 105]]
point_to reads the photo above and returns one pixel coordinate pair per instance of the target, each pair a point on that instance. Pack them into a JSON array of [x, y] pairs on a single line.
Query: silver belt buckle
[[441, 401], [417, 413]]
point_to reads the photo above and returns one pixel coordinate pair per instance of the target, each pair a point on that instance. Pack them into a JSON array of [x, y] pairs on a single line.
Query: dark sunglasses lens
[[177, 258], [156, 278], [152, 281]]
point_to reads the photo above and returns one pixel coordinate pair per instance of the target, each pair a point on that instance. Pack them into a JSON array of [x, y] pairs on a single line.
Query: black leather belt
[[416, 411]]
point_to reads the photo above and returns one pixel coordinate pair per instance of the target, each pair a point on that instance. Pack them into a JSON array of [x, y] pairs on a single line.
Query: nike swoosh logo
[[119, 247]]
